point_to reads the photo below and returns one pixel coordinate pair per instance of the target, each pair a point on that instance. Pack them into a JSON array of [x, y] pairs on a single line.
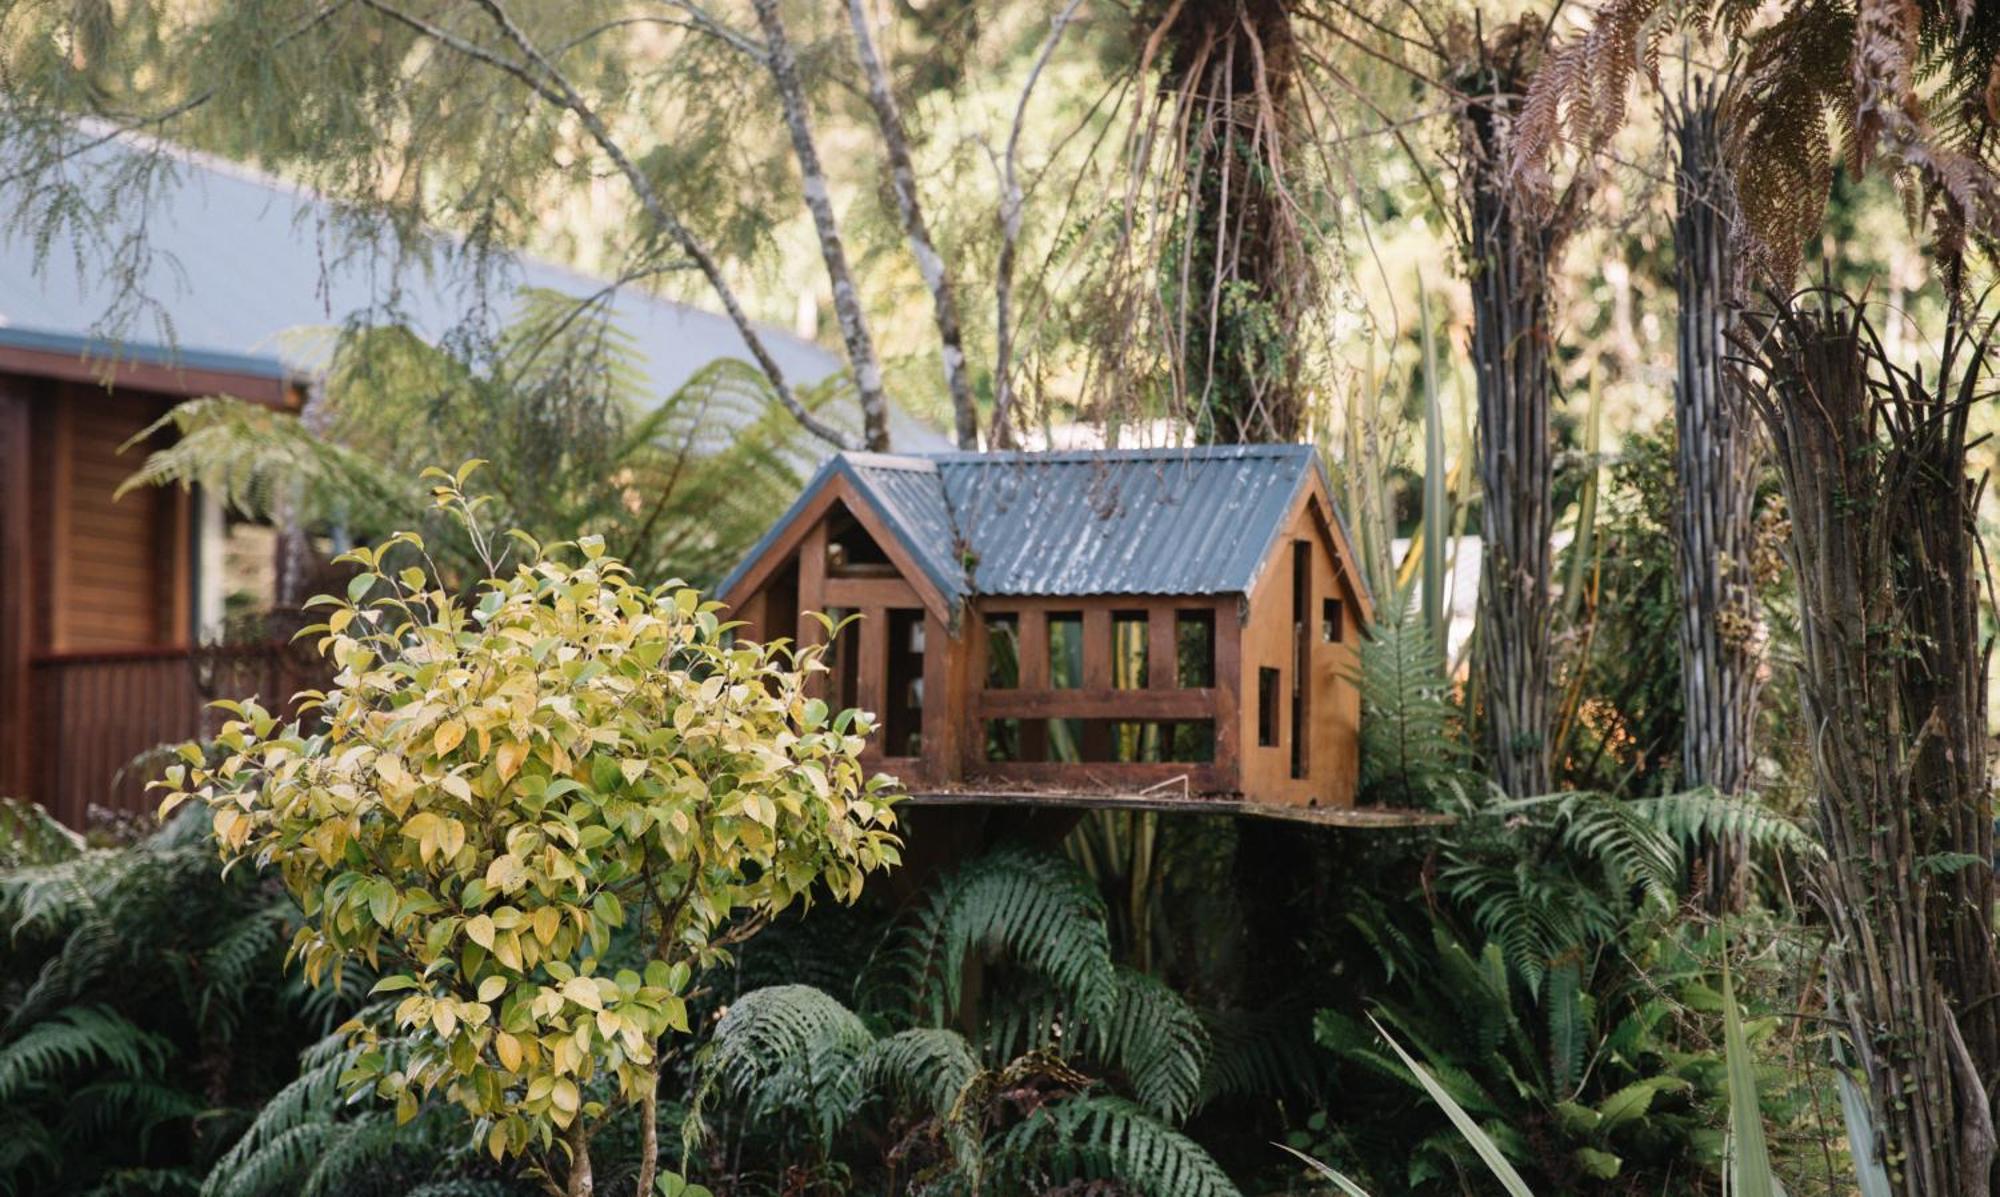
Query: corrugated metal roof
[[1165, 521], [246, 265], [1133, 521], [910, 494]]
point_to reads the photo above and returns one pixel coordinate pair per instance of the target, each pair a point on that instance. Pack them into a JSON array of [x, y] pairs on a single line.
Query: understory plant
[[1556, 994], [143, 1017], [492, 790], [990, 1044]]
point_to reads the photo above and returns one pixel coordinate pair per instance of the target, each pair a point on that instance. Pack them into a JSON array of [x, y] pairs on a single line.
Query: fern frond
[[790, 1049], [1701, 815], [1037, 910], [1156, 1039], [1091, 1137], [76, 1039]]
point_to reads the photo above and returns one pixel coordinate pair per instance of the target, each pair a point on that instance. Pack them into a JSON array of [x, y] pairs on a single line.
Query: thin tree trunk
[[581, 1183], [784, 67], [649, 1132], [1000, 432], [1231, 67], [930, 264], [1510, 247], [540, 76], [1893, 683], [1715, 462]]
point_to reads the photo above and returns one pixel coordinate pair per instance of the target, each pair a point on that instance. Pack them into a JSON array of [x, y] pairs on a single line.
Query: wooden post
[[1034, 654], [812, 598], [1229, 684], [1096, 739], [1162, 649], [872, 675], [17, 603]]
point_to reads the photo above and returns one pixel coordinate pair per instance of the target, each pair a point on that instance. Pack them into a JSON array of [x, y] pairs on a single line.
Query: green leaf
[[1750, 1162], [1339, 1182], [1482, 1144]]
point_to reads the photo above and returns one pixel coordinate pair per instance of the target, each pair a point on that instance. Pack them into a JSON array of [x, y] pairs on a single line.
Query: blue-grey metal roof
[[109, 352], [241, 264], [1130, 521]]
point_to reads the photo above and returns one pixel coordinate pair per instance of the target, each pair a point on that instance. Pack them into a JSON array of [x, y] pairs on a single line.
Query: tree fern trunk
[[1715, 460], [1883, 542], [1231, 67], [1509, 245]]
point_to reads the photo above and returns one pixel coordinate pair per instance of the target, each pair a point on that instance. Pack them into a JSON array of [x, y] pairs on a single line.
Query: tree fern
[[1035, 911], [791, 1049], [1095, 1137], [1152, 1036]]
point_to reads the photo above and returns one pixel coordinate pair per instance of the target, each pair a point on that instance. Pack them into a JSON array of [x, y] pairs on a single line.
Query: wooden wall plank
[[17, 585]]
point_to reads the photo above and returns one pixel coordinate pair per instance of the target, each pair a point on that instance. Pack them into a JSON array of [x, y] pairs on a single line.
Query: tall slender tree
[[1715, 462], [1511, 234]]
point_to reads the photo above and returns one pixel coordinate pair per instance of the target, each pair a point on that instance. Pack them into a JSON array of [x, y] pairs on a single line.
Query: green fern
[[1156, 1040], [1410, 752], [1094, 1137], [1036, 911]]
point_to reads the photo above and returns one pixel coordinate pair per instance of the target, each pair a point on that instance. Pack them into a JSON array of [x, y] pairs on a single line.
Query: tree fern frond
[[790, 1049], [1092, 1137], [76, 1039], [1037, 910], [1156, 1039], [1701, 815]]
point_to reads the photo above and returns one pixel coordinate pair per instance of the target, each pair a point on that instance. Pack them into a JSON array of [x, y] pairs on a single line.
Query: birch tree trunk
[[784, 67], [930, 263], [1715, 462]]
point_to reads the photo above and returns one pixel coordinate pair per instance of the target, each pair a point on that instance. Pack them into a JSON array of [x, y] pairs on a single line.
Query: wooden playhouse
[[1155, 626]]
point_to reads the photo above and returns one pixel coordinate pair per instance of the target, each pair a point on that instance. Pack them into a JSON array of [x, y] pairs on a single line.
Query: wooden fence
[[104, 722]]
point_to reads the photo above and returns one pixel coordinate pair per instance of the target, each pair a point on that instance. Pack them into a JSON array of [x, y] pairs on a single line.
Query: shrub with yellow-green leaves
[[493, 786]]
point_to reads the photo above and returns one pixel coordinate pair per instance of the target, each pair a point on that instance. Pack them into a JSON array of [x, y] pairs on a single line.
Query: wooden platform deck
[[1358, 818]]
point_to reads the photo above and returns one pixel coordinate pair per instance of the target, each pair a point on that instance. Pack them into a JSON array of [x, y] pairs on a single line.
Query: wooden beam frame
[[270, 391], [812, 514]]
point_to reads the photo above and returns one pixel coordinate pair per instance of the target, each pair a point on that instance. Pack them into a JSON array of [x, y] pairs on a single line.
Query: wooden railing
[[103, 720]]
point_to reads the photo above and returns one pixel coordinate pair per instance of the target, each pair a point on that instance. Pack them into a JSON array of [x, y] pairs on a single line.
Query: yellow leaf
[[492, 987], [445, 1018], [565, 1096], [479, 929], [548, 920], [496, 1140], [582, 991], [508, 1049], [451, 837], [507, 950], [508, 759], [448, 736]]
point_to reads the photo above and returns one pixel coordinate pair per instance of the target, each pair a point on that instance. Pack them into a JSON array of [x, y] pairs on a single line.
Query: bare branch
[[541, 77], [784, 67], [937, 276], [1001, 433]]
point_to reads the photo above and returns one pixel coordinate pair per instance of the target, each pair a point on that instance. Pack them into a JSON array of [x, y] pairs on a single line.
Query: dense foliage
[[490, 791]]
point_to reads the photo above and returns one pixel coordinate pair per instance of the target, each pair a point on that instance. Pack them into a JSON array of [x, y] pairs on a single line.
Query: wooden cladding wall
[[119, 576]]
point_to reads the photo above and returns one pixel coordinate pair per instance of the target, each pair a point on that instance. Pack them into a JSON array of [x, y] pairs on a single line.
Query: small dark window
[[843, 659], [1003, 651], [1194, 641], [1128, 650], [903, 722], [1267, 707], [1003, 740], [1332, 621], [1190, 740], [1065, 650]]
